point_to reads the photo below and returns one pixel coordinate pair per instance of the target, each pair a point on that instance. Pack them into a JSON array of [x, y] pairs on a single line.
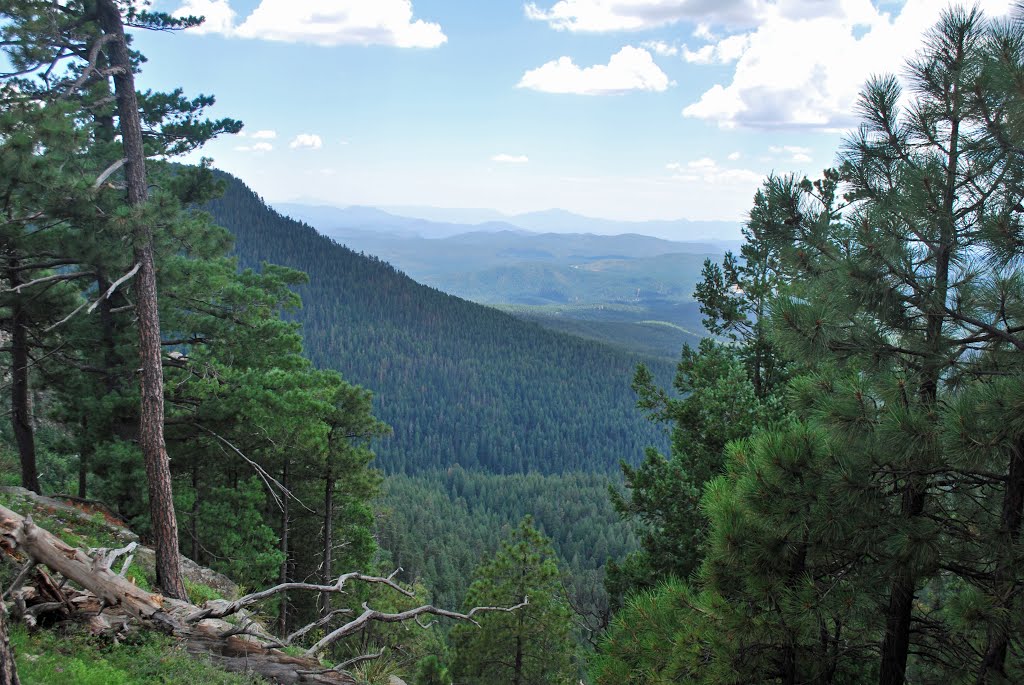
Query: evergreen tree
[[717, 403], [530, 646], [917, 293], [430, 671], [735, 296]]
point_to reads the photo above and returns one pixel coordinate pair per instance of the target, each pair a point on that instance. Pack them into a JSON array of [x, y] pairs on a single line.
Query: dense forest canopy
[[458, 382]]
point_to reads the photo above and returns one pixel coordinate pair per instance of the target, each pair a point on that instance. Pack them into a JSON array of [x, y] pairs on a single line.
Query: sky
[[619, 109]]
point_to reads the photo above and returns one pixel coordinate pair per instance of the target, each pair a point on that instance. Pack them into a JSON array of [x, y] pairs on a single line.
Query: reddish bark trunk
[[993, 667], [151, 418], [21, 419]]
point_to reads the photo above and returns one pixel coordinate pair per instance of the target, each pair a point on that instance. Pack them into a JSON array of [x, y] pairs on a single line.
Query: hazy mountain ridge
[[459, 382], [432, 222], [630, 290]]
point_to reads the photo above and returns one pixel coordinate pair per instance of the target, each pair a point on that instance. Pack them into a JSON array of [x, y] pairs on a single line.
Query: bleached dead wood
[[201, 629]]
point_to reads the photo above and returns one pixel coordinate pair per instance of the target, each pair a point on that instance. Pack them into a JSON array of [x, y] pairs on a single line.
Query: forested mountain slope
[[460, 383]]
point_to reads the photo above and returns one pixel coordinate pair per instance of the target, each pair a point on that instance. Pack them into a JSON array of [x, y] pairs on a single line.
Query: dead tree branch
[[222, 609], [370, 615], [244, 648], [108, 172], [113, 287]]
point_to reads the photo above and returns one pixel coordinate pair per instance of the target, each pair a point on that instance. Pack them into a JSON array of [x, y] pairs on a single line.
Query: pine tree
[[915, 295], [531, 646], [717, 403], [735, 296], [430, 671]]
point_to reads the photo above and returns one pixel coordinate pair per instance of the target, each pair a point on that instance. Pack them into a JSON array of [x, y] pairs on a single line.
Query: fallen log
[[243, 653], [107, 594]]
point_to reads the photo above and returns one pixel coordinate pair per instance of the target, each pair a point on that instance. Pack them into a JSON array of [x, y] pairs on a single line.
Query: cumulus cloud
[[639, 15], [795, 153], [322, 22], [629, 69], [707, 170], [307, 140], [220, 18], [660, 47], [265, 134], [724, 51], [804, 63], [510, 159], [256, 147]]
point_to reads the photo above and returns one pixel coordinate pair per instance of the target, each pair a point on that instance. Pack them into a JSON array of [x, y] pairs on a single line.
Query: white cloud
[[635, 15], [639, 15], [703, 31], [265, 134], [795, 153], [735, 156], [629, 69], [706, 170], [510, 159], [256, 147], [804, 64], [307, 140], [323, 22], [723, 52], [220, 18], [660, 47]]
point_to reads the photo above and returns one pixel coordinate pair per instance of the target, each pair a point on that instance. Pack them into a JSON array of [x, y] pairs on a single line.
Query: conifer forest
[[234, 449]]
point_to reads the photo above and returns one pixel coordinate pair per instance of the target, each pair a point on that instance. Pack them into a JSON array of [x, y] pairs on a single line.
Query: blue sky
[[625, 109]]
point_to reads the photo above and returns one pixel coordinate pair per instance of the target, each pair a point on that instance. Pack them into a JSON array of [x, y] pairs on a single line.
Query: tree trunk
[[993, 667], [328, 533], [151, 418], [83, 461], [194, 523], [8, 670], [517, 675], [21, 419], [110, 357], [282, 615]]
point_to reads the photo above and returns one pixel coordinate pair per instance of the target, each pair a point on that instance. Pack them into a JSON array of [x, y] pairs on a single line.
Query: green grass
[[57, 658], [199, 594], [72, 529], [81, 532]]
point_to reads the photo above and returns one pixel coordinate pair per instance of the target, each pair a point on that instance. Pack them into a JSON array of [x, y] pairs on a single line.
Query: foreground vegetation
[[844, 495], [72, 656]]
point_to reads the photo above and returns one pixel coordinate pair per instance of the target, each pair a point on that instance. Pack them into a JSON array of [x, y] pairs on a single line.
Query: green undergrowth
[[199, 593], [78, 531], [60, 657]]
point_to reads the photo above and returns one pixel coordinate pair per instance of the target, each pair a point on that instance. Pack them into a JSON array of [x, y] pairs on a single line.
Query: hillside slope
[[459, 382]]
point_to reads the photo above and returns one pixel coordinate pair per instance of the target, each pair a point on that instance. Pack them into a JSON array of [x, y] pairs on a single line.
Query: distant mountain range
[[460, 383], [434, 222], [628, 289]]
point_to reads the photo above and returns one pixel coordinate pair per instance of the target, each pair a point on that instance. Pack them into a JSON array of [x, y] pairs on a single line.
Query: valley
[[629, 290]]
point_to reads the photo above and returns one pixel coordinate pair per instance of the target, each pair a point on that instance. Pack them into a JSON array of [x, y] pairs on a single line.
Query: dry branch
[[369, 615], [220, 610], [202, 631], [92, 306], [108, 172], [113, 287]]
